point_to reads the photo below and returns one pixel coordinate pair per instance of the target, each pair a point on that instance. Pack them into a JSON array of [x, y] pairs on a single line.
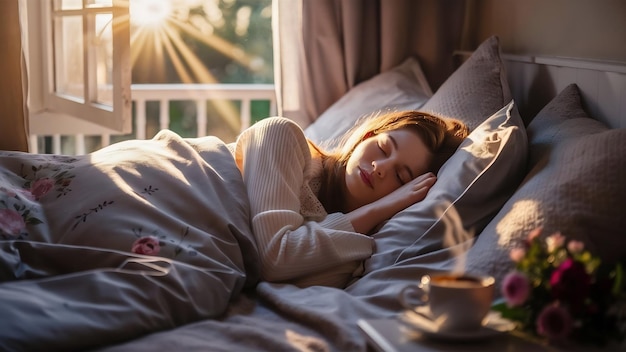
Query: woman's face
[[382, 163]]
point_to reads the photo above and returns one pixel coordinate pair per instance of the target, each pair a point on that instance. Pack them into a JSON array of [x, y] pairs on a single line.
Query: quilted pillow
[[401, 88], [471, 186], [477, 89], [575, 186]]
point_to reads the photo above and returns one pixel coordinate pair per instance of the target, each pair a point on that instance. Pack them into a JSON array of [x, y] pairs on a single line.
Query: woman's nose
[[379, 167]]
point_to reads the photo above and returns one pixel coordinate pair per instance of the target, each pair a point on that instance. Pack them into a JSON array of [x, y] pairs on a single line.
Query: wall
[[593, 29], [12, 122]]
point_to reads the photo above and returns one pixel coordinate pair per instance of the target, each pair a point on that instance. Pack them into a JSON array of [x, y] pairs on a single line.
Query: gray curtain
[[13, 121], [322, 48]]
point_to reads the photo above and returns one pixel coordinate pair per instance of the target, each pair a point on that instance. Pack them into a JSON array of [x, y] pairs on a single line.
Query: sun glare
[[149, 13], [158, 27]]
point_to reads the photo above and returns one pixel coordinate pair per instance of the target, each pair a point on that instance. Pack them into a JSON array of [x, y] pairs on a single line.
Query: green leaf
[[513, 313], [34, 221], [618, 283]]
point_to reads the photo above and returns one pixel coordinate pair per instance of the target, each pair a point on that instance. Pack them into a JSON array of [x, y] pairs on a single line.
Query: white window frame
[[53, 113]]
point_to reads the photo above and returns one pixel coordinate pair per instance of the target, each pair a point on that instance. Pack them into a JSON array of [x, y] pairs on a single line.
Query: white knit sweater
[[298, 241]]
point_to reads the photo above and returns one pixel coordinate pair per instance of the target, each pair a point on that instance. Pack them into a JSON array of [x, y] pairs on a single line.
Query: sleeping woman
[[311, 210], [146, 235]]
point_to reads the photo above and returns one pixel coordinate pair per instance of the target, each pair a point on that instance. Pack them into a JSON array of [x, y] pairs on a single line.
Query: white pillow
[[474, 183], [402, 88]]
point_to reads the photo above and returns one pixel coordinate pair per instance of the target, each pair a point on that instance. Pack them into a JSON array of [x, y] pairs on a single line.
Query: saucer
[[493, 325]]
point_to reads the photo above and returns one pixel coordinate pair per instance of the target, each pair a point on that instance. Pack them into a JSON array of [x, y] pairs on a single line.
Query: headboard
[[535, 80]]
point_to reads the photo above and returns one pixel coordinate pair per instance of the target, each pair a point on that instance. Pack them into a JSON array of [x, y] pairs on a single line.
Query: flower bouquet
[[560, 291]]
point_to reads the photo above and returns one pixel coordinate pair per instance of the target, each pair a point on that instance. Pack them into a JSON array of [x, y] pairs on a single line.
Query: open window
[[78, 63]]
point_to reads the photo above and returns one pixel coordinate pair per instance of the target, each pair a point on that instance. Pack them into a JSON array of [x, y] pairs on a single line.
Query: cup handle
[[413, 296]]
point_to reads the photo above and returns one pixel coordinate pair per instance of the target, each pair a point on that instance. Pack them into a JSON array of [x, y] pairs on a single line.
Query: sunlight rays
[[157, 29], [150, 20]]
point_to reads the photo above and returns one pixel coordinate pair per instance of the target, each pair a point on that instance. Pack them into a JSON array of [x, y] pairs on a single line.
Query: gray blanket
[[138, 237]]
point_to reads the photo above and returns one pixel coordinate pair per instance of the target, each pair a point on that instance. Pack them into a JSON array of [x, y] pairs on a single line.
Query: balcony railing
[[163, 95]]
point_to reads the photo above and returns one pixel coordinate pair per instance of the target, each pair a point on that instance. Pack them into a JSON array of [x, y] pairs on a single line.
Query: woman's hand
[[411, 192], [367, 217]]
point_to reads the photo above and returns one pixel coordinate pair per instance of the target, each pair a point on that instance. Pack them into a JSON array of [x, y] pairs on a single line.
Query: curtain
[[13, 119], [322, 48]]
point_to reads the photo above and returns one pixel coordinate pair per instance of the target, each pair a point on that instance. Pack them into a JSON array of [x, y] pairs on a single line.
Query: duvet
[[138, 237]]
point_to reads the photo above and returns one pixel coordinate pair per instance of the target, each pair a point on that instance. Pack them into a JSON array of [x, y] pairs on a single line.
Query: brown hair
[[441, 135]]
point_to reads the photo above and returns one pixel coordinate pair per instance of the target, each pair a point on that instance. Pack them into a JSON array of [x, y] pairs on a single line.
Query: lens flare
[[149, 13]]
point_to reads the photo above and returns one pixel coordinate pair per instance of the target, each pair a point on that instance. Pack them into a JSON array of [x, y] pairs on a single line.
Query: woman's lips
[[365, 177]]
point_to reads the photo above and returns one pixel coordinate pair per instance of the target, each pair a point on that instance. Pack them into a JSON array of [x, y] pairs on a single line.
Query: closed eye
[[382, 149], [406, 169], [400, 181]]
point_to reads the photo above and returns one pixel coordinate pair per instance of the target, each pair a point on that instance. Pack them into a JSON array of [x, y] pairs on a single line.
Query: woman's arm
[[367, 217], [273, 156]]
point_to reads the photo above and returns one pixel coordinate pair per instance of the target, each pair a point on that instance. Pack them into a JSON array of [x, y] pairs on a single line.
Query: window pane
[[104, 58], [100, 3], [68, 57], [78, 4], [68, 4]]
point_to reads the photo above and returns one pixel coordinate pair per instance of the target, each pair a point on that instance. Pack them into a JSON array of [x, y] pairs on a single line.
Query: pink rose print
[[26, 194], [41, 187], [147, 245], [11, 222]]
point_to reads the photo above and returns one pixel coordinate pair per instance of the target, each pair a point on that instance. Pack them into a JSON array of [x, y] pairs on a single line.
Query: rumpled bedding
[[137, 237], [282, 317], [146, 245], [72, 276]]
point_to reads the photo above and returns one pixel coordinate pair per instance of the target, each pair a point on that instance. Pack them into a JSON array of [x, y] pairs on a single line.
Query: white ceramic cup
[[457, 301]]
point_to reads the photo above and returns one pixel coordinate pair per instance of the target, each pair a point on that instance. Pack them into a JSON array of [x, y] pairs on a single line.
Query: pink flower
[[570, 283], [41, 187], [26, 194], [11, 222], [554, 322], [517, 254], [555, 241], [12, 193], [575, 247], [532, 235], [147, 245], [515, 288]]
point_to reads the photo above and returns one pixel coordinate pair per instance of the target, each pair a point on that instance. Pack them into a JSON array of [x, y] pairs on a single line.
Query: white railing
[[163, 94]]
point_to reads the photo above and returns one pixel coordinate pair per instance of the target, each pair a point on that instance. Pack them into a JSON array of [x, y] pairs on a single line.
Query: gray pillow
[[477, 89], [471, 186], [575, 186]]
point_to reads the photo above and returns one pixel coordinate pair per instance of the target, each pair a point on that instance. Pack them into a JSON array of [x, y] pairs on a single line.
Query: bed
[[554, 158]]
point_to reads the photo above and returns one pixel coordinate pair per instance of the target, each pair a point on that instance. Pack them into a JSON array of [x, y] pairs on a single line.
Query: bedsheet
[[283, 317], [137, 237]]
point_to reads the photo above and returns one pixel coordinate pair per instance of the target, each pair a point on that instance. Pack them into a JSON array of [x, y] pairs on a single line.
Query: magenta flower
[[41, 187], [11, 222], [570, 283], [515, 288], [554, 322], [147, 245]]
